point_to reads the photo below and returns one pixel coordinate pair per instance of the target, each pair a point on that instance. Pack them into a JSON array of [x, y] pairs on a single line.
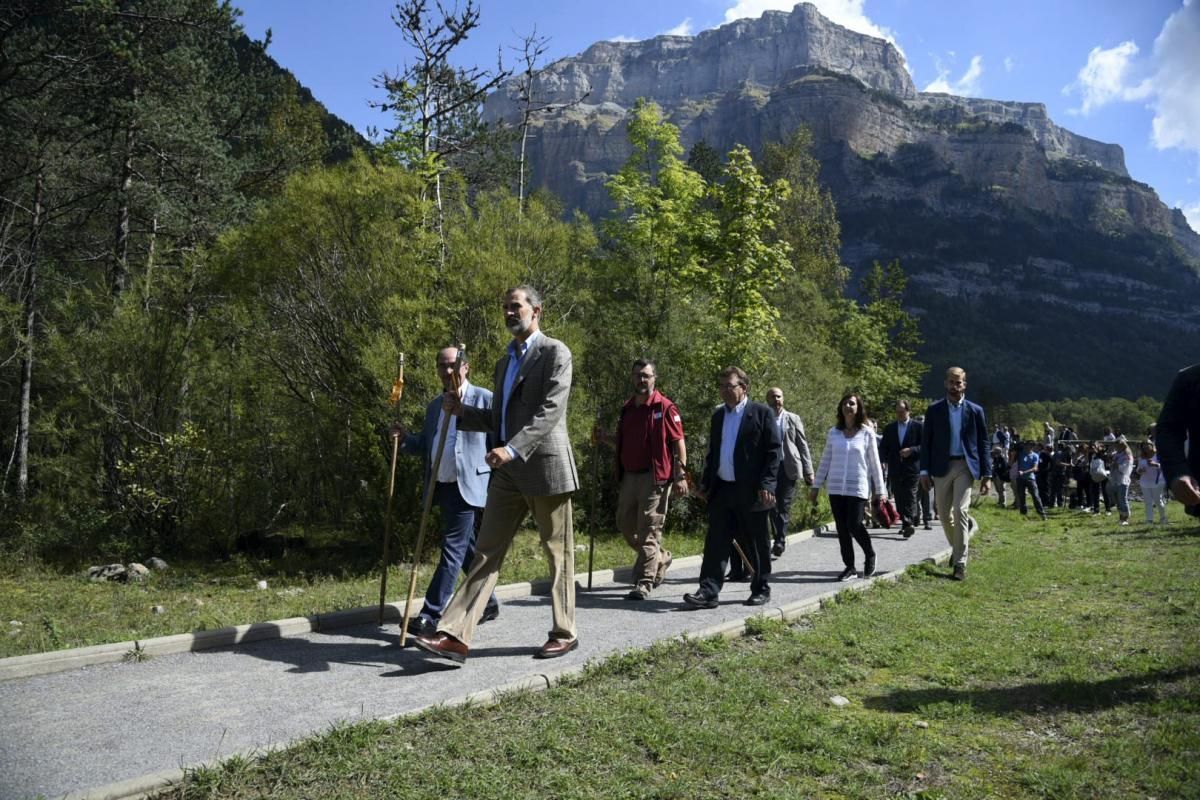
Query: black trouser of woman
[[847, 518]]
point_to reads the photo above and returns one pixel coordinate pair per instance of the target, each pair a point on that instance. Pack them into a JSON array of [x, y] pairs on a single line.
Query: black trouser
[[847, 517], [1029, 484], [1043, 486], [1058, 482], [923, 496], [785, 493], [727, 517], [904, 489]]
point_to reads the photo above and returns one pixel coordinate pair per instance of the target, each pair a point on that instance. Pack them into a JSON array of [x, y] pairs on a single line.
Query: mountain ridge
[[925, 177]]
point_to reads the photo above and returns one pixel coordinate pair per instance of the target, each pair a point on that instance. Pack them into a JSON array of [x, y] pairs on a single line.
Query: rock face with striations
[[998, 214]]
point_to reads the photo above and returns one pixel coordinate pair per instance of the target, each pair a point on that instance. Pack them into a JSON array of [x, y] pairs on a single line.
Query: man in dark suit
[[533, 470], [740, 473], [901, 450], [954, 454], [460, 487], [797, 464]]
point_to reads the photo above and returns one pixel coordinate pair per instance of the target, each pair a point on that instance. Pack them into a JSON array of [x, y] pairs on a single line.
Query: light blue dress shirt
[[729, 432], [901, 429], [956, 414], [516, 351]]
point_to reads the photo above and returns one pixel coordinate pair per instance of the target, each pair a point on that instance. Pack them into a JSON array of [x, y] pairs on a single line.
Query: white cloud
[[1192, 212], [622, 38], [1009, 63], [1176, 81], [966, 86], [1107, 76], [682, 29], [1112, 75], [847, 13]]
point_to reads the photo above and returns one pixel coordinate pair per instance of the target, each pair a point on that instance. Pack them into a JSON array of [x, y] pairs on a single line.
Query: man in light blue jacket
[[460, 490]]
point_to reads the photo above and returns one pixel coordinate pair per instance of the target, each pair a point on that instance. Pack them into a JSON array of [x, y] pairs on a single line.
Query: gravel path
[[89, 728]]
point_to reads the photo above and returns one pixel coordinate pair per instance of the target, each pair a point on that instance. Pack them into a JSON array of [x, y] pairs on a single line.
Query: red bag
[[886, 513]]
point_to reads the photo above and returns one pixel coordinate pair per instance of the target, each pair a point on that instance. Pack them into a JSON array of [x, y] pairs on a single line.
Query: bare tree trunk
[[30, 310], [152, 246], [120, 267]]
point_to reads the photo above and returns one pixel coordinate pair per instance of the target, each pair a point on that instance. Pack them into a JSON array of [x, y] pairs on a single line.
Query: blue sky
[[1122, 71]]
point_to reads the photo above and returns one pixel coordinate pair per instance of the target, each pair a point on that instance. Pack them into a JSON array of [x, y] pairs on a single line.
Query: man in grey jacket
[[797, 463], [533, 469]]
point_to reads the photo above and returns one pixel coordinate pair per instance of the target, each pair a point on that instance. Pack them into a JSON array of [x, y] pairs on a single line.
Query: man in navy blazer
[[900, 449], [461, 490], [954, 454], [740, 474]]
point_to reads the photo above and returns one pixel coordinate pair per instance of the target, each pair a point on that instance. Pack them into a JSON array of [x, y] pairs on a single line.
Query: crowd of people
[[1060, 470], [507, 455]]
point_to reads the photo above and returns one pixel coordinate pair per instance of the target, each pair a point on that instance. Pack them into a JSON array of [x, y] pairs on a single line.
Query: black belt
[[958, 458]]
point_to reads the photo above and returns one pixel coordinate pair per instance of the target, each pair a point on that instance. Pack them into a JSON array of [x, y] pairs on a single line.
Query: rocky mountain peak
[[762, 52]]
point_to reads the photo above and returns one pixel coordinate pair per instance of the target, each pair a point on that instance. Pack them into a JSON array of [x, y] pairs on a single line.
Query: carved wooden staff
[[394, 400], [456, 386], [592, 507]]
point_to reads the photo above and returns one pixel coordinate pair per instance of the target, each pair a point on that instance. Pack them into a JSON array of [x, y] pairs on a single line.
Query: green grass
[[1065, 666], [61, 610]]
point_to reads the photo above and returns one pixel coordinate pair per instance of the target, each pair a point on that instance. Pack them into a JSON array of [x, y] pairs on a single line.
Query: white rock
[[261, 584], [839, 701], [15, 623], [921, 723], [156, 563], [158, 610]]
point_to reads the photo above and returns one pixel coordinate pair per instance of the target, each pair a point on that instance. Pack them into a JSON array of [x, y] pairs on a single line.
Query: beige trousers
[[502, 517], [953, 495], [641, 511]]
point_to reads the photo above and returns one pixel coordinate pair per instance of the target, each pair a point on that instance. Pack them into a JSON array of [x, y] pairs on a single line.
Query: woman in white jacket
[[851, 474]]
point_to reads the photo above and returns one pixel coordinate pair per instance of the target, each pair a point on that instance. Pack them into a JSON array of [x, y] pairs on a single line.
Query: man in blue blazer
[[954, 454], [461, 490], [740, 476]]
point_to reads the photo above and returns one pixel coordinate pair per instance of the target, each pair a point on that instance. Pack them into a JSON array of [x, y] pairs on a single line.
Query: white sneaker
[[1124, 522]]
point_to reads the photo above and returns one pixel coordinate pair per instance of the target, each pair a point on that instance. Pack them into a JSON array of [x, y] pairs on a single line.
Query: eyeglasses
[[729, 387]]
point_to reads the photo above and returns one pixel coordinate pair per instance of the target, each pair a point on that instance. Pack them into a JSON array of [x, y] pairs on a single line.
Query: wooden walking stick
[[394, 400], [456, 385], [592, 507]]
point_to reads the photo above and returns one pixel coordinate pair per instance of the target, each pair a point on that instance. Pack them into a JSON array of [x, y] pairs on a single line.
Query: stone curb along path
[[60, 660], [130, 730]]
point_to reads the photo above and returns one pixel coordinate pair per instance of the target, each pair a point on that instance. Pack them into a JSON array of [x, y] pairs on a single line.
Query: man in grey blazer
[[797, 463], [533, 469], [460, 487]]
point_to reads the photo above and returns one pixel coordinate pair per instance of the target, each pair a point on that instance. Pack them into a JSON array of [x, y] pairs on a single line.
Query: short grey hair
[[531, 294]]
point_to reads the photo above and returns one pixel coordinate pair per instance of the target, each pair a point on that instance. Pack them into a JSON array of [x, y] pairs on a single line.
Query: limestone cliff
[[989, 204]]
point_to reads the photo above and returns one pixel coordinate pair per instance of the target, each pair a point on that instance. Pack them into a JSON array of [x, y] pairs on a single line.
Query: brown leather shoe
[[444, 646], [554, 648]]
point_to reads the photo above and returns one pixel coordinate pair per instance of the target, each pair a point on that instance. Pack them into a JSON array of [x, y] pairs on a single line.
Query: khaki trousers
[[502, 517], [952, 492], [641, 511]]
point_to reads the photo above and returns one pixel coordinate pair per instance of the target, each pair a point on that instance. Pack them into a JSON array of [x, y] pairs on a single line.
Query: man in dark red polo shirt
[[651, 456]]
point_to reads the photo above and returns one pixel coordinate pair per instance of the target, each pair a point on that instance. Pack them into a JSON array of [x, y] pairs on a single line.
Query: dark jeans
[[785, 493], [460, 525], [1057, 486], [1096, 491], [904, 488], [848, 518], [923, 497], [727, 517], [1029, 484]]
